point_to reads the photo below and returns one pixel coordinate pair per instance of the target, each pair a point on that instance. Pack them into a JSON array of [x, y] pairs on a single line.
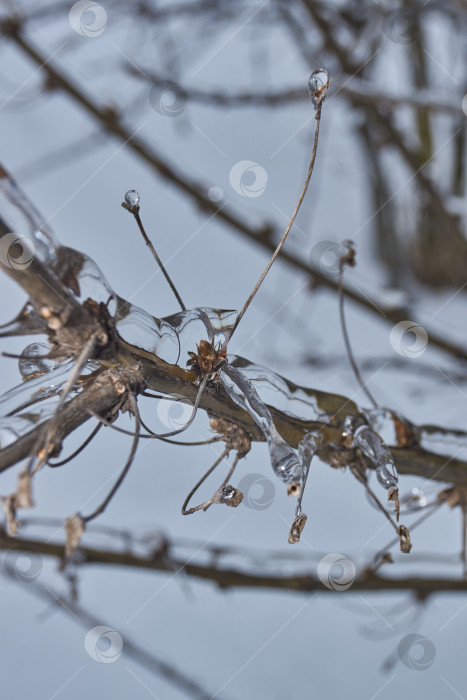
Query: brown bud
[[293, 489]]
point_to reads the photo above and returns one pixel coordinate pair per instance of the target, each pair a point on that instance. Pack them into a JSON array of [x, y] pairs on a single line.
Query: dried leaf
[[23, 491], [9, 508], [74, 528], [393, 495], [297, 528]]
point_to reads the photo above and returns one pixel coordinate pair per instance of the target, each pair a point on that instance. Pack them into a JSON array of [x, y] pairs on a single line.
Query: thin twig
[[292, 219], [79, 449], [100, 509], [348, 346], [200, 482], [135, 211]]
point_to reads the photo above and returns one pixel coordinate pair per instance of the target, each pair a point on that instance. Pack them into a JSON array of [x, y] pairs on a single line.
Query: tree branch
[[196, 191], [226, 578]]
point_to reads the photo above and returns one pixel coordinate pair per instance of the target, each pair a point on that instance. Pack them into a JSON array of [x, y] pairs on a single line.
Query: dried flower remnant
[[404, 538], [233, 435], [207, 359], [228, 495], [297, 528]]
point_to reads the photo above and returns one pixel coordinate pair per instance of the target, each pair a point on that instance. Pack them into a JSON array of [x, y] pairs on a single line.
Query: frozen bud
[[348, 253], [297, 528], [74, 527], [132, 199], [228, 495], [317, 86]]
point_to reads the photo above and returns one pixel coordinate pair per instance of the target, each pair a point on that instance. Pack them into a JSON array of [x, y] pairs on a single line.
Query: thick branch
[[233, 578]]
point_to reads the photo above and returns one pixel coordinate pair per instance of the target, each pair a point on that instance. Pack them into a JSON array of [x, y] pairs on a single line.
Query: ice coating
[[32, 402], [284, 460], [33, 360], [21, 217], [170, 338], [132, 199], [379, 454], [308, 447]]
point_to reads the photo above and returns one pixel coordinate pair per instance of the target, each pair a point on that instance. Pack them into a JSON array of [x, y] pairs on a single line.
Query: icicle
[[307, 448], [379, 454], [283, 458]]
